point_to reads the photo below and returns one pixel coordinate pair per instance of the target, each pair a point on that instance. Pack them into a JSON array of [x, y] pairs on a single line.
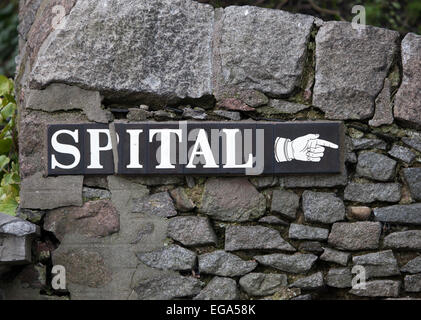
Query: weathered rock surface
[[282, 106], [273, 220], [378, 288], [412, 177], [232, 199], [410, 240], [16, 227], [331, 255], [339, 278], [313, 282], [254, 237], [172, 257], [313, 181], [413, 266], [365, 143], [219, 289], [322, 207], [261, 182], [231, 115], [159, 204], [371, 192], [224, 264], [351, 67], [95, 194], [378, 264], [355, 236], [15, 250], [407, 214], [285, 203], [252, 98], [402, 153], [263, 284], [191, 231], [384, 107], [296, 263], [376, 166], [311, 246], [413, 283], [413, 142], [182, 201], [303, 232], [358, 213]]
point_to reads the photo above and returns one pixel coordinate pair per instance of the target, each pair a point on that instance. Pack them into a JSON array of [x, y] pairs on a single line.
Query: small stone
[[312, 282], [95, 194], [234, 105], [413, 142], [413, 266], [331, 255], [322, 207], [195, 114], [364, 143], [253, 98], [378, 264], [159, 204], [95, 181], [406, 240], [273, 220], [412, 178], [224, 264], [262, 284], [371, 192], [355, 236], [384, 107], [138, 114], [303, 297], [402, 153], [407, 214], [16, 227], [311, 246], [191, 231], [377, 288], [413, 283], [231, 115], [264, 182], [282, 106], [314, 181], [34, 216], [285, 203], [182, 201], [219, 289], [376, 166], [15, 250], [172, 257], [359, 213], [254, 237], [339, 278], [296, 263], [303, 232]]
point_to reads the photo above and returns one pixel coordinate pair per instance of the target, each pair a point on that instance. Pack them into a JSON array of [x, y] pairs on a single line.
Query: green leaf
[[4, 161], [9, 206], [5, 145], [5, 86], [8, 110]]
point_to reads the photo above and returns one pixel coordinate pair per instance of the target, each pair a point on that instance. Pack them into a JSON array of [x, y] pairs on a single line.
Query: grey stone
[[254, 237], [306, 181], [402, 153], [310, 246], [350, 156], [166, 287], [312, 282], [261, 182], [351, 66], [172, 257], [159, 204], [95, 181], [27, 16], [195, 114], [95, 194], [182, 201], [364, 143], [16, 227], [178, 65], [378, 264], [303, 232], [153, 181], [409, 240], [42, 193], [232, 199], [282, 106], [164, 115], [322, 207], [412, 177], [408, 214], [224, 264], [192, 231], [219, 289], [303, 297], [339, 278], [413, 283], [137, 114], [413, 142], [263, 284], [231, 115], [413, 266], [245, 52], [331, 255], [407, 101], [384, 107], [376, 166], [285, 203], [273, 220], [371, 192], [355, 236], [296, 263], [377, 288], [15, 250], [252, 98]]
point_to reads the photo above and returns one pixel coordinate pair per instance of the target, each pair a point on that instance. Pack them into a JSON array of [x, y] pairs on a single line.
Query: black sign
[[239, 148]]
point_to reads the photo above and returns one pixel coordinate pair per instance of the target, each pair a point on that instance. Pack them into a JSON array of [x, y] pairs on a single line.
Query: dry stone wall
[[168, 237]]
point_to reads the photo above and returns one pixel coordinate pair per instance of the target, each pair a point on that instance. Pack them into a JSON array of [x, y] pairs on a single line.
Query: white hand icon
[[306, 148]]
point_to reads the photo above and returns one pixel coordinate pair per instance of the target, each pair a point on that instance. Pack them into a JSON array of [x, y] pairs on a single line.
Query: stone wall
[[272, 237]]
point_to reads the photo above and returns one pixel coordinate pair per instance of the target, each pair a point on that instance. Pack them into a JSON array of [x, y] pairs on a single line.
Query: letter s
[[65, 148]]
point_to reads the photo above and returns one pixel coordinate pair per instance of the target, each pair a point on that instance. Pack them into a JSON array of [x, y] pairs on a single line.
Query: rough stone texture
[[413, 283], [196, 114], [251, 98], [95, 219], [296, 263], [219, 289], [364, 143], [16, 227], [410, 240], [378, 264], [312, 282], [378, 288], [402, 153], [339, 278], [137, 114], [376, 166], [310, 246], [182, 201], [263, 284], [407, 100], [282, 106], [351, 67], [313, 181], [232, 199], [231, 115], [413, 266], [285, 203], [224, 264], [159, 204], [34, 216], [167, 287], [191, 231], [52, 192], [322, 207], [371, 192], [254, 237], [234, 105], [359, 213], [243, 29], [15, 250], [355, 236], [412, 178], [413, 142], [273, 220], [177, 24], [261, 182], [407, 214], [172, 257], [384, 107], [303, 232], [331, 255], [95, 194]]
